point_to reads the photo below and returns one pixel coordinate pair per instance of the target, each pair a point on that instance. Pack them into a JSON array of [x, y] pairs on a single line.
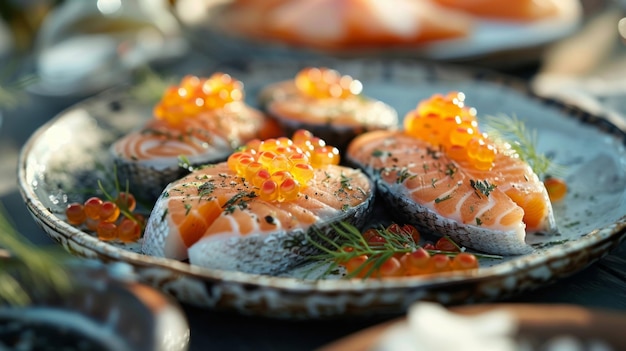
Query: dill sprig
[[28, 270], [350, 244], [12, 94], [522, 140], [124, 210], [150, 86]]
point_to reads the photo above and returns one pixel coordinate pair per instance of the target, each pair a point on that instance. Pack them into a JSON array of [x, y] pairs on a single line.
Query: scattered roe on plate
[[325, 83], [103, 217], [394, 252], [445, 121], [556, 187], [195, 95], [280, 167]]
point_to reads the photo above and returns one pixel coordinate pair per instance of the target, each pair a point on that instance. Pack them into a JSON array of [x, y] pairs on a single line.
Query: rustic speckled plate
[[65, 156]]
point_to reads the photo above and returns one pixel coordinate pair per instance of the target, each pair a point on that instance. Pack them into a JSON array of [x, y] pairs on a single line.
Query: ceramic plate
[[488, 37], [65, 157]]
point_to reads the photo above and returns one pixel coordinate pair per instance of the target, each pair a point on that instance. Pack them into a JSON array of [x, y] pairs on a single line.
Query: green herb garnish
[[238, 200], [522, 141], [482, 187], [40, 269], [350, 243]]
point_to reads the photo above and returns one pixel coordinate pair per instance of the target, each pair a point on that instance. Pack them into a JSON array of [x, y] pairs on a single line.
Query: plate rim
[[615, 232]]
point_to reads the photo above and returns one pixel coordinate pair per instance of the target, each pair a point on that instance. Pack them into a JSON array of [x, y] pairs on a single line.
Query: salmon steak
[[191, 122], [254, 213], [328, 104], [487, 203]]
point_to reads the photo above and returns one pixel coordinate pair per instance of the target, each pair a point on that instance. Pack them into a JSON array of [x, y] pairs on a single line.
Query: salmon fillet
[[214, 218], [488, 211]]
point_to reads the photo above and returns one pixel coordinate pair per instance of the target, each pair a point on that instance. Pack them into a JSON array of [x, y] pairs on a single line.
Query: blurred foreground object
[[21, 20], [47, 303], [86, 46], [498, 326]]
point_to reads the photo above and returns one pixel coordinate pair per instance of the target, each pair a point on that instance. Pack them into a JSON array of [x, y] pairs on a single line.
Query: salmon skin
[[214, 218], [148, 158], [439, 195]]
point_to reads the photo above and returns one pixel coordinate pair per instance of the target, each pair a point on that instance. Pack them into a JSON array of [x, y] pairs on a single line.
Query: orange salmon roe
[[103, 217], [195, 95], [324, 83], [556, 187], [446, 256], [281, 167], [445, 121]]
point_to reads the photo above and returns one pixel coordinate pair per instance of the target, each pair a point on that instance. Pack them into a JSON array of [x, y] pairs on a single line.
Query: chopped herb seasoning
[[403, 175], [441, 199], [478, 221], [380, 153], [239, 200], [433, 153], [451, 170], [164, 214], [187, 209], [345, 182], [433, 181], [482, 187], [206, 189], [345, 207]]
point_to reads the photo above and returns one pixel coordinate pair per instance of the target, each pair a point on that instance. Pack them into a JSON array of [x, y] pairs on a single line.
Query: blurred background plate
[[496, 40]]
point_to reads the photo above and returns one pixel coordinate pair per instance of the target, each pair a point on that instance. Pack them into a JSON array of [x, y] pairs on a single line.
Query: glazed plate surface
[[69, 154]]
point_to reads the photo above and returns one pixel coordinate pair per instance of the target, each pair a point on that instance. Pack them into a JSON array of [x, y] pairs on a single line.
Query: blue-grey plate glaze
[[66, 155]]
